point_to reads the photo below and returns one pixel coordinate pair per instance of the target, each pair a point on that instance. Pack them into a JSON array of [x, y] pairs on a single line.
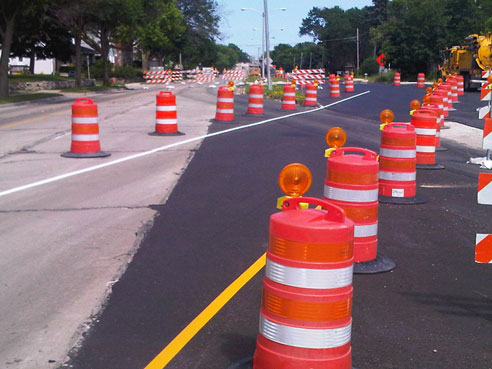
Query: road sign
[[380, 58]]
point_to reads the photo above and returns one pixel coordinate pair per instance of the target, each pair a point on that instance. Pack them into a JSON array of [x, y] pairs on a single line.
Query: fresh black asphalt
[[434, 311]]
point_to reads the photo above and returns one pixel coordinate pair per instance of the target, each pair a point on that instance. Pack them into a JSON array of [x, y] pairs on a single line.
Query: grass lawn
[[36, 78], [27, 97], [90, 88]]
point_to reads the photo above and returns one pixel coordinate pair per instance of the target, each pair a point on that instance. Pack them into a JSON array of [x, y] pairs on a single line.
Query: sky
[[243, 28]]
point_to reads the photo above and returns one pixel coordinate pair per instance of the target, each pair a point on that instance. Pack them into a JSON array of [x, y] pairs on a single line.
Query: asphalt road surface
[[433, 311]]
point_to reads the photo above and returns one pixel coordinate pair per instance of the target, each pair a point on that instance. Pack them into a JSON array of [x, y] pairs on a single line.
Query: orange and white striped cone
[[436, 111], [311, 98], [255, 100], [85, 131], [289, 97], [349, 83], [334, 88], [425, 127], [397, 165], [421, 80], [397, 79], [166, 115], [352, 183], [461, 85], [225, 105], [305, 315]]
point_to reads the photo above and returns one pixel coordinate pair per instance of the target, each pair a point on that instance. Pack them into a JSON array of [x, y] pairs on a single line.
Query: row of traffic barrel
[[225, 97], [305, 313]]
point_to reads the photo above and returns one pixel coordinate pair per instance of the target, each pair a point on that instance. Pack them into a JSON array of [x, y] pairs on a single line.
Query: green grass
[[36, 78], [27, 97], [90, 88]]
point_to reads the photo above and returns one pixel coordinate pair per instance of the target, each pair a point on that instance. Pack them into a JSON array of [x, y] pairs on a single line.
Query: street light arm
[[253, 10]]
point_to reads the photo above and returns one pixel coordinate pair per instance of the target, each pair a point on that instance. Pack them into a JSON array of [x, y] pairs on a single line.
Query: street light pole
[[267, 38]]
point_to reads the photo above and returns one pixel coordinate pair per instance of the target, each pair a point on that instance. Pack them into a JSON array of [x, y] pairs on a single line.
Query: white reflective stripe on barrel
[[397, 176], [425, 131], [255, 105], [426, 148], [289, 94], [85, 137], [226, 100], [166, 108], [84, 120], [403, 154], [310, 99], [225, 111], [308, 278], [365, 230], [253, 96], [343, 194], [289, 102], [314, 338], [166, 121]]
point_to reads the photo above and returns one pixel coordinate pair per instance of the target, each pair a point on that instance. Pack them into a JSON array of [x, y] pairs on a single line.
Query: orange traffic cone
[[166, 116], [85, 131]]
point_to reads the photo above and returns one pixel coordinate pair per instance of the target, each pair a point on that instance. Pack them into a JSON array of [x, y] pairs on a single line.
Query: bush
[[126, 72], [369, 66], [97, 69], [385, 77], [67, 68]]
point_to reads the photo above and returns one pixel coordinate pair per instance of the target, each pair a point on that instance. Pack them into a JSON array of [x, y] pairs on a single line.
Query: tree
[[11, 11], [228, 56], [197, 43], [335, 29], [413, 34]]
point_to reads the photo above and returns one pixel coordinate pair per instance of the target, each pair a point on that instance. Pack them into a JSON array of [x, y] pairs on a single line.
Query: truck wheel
[[466, 82]]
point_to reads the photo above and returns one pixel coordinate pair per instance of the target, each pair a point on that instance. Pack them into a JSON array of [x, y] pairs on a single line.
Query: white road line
[[166, 147]]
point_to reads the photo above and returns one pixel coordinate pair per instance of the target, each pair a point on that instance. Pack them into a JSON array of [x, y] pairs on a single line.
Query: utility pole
[[357, 51], [267, 38], [300, 64], [310, 59]]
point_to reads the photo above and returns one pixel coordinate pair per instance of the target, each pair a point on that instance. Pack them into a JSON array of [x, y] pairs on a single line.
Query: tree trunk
[[145, 60], [104, 54], [127, 53], [32, 61], [8, 34]]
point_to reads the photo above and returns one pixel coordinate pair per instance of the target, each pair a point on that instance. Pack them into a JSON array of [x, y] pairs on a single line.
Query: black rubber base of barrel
[[213, 120], [178, 133], [381, 264], [247, 363], [430, 166], [100, 154], [402, 200], [440, 148]]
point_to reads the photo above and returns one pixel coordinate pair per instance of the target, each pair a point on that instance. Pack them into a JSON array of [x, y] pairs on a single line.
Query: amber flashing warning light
[[295, 179], [335, 138], [386, 116], [426, 99], [428, 90], [230, 85], [489, 79], [414, 104]]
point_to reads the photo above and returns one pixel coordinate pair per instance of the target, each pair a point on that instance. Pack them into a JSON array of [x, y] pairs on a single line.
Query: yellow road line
[[177, 344]]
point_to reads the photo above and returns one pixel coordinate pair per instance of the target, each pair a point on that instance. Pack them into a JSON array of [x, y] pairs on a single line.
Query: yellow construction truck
[[469, 59]]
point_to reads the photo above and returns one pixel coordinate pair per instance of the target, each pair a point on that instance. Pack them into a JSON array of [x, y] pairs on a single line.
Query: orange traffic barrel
[[397, 165], [461, 85], [447, 87], [434, 109], [453, 82], [397, 79], [334, 87], [349, 83], [352, 183], [421, 80], [443, 93], [85, 131], [311, 98], [225, 104], [437, 100], [306, 307], [255, 100], [425, 125], [289, 97], [166, 115]]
